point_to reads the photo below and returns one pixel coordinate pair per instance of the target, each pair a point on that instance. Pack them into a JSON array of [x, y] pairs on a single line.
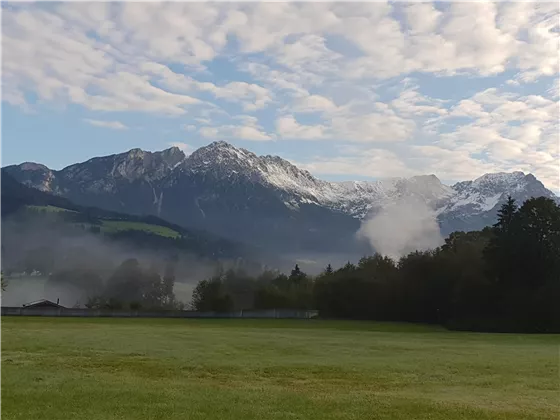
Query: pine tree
[[297, 276], [329, 269], [538, 236], [506, 216], [296, 272], [349, 267], [503, 248]]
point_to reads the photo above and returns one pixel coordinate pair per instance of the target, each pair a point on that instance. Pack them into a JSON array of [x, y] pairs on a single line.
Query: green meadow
[[75, 369], [120, 225]]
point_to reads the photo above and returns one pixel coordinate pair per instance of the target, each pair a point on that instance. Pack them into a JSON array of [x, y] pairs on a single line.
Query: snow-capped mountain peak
[[494, 180], [219, 155], [359, 198], [479, 200], [148, 179], [222, 160]]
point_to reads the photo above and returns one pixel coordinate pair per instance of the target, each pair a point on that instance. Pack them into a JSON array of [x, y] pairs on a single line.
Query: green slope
[[110, 226], [149, 232], [48, 209]]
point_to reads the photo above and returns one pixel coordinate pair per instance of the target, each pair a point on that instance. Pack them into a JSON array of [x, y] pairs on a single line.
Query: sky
[[344, 90]]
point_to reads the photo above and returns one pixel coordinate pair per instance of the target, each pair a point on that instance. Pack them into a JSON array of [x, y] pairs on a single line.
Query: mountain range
[[266, 200]]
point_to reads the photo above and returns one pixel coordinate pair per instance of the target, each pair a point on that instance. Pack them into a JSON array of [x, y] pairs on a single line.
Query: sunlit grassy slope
[[271, 369], [49, 209], [111, 226], [119, 225]]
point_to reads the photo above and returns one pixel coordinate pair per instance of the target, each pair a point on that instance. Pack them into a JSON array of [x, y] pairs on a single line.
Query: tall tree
[[297, 276], [506, 216], [126, 283], [209, 295], [503, 247], [295, 272], [539, 238], [169, 279], [153, 294]]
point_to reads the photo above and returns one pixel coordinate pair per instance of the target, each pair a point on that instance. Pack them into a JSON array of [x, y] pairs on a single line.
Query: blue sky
[[347, 91]]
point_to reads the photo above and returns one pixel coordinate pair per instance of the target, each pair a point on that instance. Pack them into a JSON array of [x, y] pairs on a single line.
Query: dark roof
[[42, 302]]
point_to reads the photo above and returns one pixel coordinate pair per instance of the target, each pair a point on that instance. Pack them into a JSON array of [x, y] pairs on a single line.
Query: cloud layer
[[456, 89]]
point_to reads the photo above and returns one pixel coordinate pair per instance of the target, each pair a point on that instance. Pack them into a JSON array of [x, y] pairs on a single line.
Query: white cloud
[[247, 130], [372, 162], [288, 128], [252, 96], [360, 120], [115, 125], [314, 103], [450, 164], [209, 132], [511, 130], [422, 17], [52, 47], [411, 103], [382, 125], [554, 90], [345, 66], [189, 127], [498, 131]]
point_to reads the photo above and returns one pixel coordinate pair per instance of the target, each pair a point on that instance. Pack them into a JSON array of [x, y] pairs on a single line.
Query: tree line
[[129, 286], [503, 278]]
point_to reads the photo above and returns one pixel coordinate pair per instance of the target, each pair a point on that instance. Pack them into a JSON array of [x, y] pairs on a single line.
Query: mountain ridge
[[266, 199]]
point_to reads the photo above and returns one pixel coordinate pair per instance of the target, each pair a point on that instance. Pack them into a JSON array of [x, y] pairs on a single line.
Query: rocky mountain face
[[474, 203], [265, 200]]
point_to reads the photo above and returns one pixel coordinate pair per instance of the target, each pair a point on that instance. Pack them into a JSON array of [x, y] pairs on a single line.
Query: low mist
[[406, 226], [25, 289], [56, 246]]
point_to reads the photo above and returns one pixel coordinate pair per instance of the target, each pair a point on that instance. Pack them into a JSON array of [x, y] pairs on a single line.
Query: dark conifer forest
[[504, 278]]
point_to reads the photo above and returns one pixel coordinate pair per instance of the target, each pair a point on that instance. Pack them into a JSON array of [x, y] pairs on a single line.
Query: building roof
[[42, 302]]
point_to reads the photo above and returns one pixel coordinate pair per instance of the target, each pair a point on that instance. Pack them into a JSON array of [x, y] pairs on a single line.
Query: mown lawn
[[271, 369]]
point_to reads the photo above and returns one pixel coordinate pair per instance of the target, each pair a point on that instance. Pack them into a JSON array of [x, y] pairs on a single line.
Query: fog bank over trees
[[45, 257]]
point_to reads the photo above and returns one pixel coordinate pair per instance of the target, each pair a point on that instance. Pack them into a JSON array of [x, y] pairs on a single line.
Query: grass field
[[118, 225], [271, 369]]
